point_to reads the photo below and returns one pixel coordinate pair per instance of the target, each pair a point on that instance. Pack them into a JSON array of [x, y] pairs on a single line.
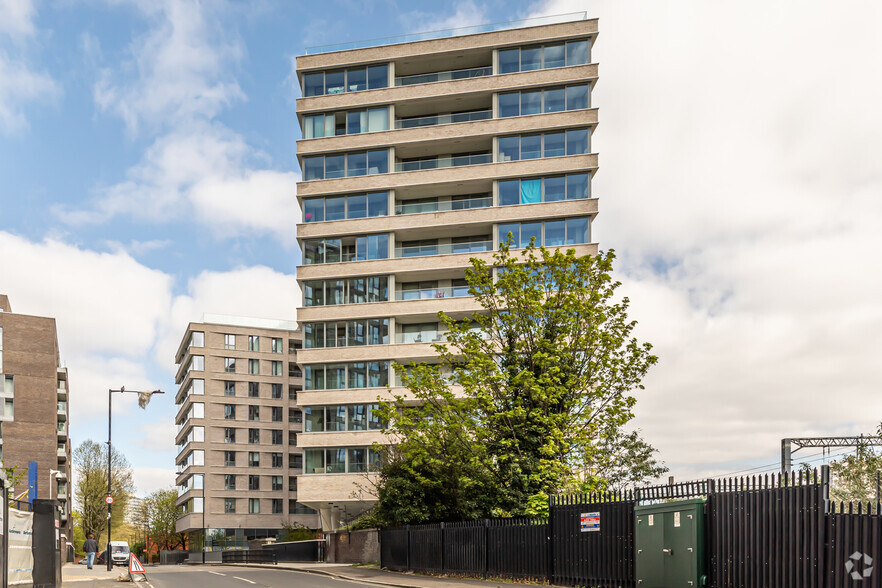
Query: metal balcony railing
[[443, 249], [466, 204], [442, 119], [441, 162], [444, 76], [430, 293]]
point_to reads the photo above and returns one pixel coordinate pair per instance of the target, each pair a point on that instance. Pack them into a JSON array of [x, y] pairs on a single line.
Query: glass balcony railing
[[443, 119], [420, 207], [420, 337], [444, 76], [431, 293], [469, 30], [439, 162], [443, 249]]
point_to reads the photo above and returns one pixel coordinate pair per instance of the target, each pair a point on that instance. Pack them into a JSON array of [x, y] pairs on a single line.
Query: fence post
[[408, 547], [486, 546], [550, 539], [443, 568]]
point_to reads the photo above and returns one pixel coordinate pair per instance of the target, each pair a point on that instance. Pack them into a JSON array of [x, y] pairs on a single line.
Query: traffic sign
[[135, 566], [108, 499]]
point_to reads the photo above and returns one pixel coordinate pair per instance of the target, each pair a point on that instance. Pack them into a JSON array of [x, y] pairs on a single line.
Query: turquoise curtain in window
[[531, 191]]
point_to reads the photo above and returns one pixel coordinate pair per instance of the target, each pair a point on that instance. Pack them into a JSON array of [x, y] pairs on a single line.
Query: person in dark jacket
[[90, 546]]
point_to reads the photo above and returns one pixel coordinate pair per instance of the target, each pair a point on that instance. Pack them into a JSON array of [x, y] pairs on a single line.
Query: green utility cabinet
[[669, 544]]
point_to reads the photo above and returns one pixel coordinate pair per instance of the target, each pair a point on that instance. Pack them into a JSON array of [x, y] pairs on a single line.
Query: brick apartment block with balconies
[[34, 415], [418, 155], [238, 425]]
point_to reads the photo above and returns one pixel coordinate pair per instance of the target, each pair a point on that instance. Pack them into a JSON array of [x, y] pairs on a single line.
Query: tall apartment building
[[238, 427], [418, 156], [34, 413]]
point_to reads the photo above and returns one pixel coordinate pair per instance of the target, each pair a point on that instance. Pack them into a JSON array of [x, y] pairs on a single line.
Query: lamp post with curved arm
[[143, 400]]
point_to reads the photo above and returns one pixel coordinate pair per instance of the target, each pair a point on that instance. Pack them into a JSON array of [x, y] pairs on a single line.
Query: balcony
[[443, 249], [62, 431], [62, 393], [426, 336], [442, 119], [432, 293], [62, 455], [62, 411], [444, 76], [444, 206], [442, 162]]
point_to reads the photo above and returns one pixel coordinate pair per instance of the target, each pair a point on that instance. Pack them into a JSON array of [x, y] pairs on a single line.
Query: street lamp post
[[143, 400], [53, 474]]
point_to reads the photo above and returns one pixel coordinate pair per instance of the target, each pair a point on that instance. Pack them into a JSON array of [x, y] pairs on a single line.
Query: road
[[226, 577]]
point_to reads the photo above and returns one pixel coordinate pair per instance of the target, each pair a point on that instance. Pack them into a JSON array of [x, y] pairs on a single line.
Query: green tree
[[853, 478], [163, 516], [90, 460], [529, 397]]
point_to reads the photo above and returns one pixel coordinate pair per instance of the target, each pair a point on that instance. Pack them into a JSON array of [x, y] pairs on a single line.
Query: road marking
[[244, 580], [217, 573]]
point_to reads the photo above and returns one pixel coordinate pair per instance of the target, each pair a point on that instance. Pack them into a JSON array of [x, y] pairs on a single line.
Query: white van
[[119, 553]]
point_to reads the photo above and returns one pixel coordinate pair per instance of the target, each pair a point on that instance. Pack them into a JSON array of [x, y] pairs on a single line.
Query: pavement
[[72, 574], [80, 573]]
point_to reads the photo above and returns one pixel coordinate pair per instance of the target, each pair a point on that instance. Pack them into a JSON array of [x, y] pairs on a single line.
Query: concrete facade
[[439, 201], [239, 377], [34, 410]]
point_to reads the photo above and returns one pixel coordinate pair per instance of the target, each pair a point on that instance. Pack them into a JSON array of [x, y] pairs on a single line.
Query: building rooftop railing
[[457, 32]]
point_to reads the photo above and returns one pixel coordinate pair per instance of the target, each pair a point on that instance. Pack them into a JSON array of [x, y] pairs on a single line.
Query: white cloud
[[205, 171], [149, 480], [107, 309], [19, 87], [178, 80], [17, 18], [741, 192], [257, 292], [466, 13], [20, 84], [179, 70]]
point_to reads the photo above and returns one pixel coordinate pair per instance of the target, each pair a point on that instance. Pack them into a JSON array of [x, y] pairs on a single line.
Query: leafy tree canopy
[[90, 460], [529, 396]]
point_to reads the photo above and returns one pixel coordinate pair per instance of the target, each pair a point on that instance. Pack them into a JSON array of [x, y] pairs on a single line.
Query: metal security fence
[[767, 530], [604, 558], [759, 531], [498, 548], [854, 545], [248, 556]]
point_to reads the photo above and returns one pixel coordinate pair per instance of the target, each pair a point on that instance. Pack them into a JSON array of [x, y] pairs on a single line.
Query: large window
[[230, 365], [351, 291], [551, 233], [519, 147], [364, 247], [346, 123], [543, 101], [346, 333], [550, 189], [341, 460], [346, 165], [353, 79], [229, 388], [253, 343], [230, 411], [543, 56], [333, 208], [341, 376], [352, 417], [253, 506]]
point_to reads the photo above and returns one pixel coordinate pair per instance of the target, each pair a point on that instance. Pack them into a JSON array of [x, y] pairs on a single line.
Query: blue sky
[[147, 175]]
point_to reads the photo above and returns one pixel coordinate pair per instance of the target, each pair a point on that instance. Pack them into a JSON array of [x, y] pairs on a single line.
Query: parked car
[[119, 553]]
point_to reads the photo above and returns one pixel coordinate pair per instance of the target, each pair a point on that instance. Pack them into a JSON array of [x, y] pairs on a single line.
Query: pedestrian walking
[[90, 546]]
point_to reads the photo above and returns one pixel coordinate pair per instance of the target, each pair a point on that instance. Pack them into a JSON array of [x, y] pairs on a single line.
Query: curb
[[328, 574]]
